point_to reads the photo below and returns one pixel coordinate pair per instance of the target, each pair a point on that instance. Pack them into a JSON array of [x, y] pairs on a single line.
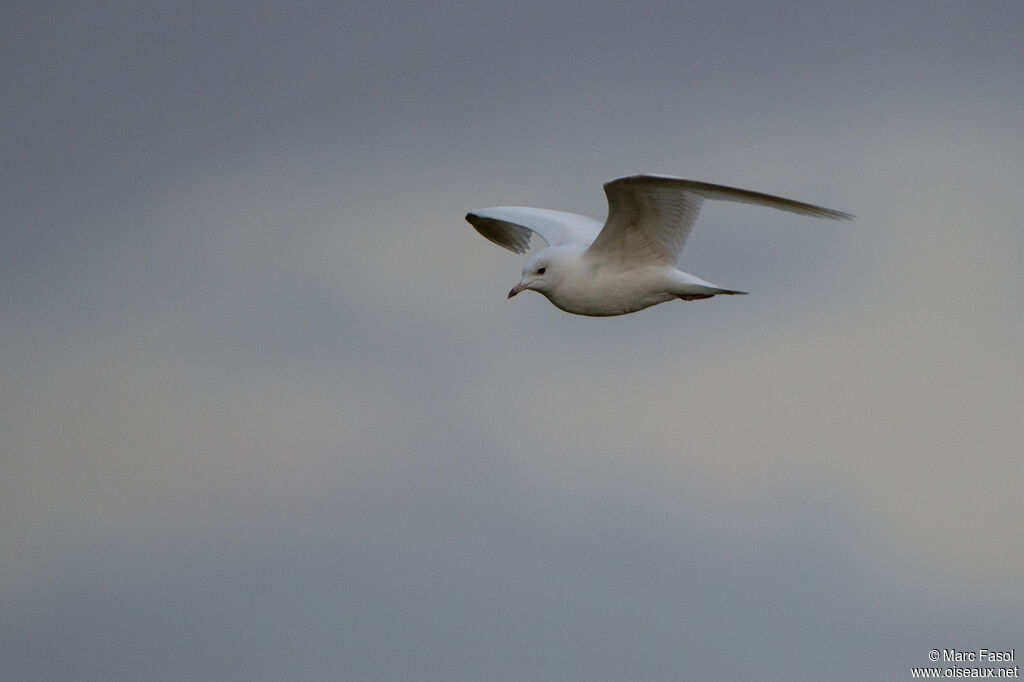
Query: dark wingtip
[[834, 214]]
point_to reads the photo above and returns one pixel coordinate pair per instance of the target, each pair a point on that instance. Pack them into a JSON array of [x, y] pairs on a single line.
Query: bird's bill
[[517, 288]]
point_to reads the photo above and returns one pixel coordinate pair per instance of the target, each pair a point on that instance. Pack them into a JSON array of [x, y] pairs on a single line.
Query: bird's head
[[542, 271]]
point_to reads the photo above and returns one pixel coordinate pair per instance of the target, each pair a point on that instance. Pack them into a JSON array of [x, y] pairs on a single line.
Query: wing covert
[[648, 220]]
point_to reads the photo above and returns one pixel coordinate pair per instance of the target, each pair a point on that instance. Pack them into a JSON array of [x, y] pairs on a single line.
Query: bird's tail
[[708, 292]]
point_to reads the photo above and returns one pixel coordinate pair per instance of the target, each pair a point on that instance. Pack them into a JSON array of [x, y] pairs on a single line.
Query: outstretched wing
[[511, 226], [650, 216]]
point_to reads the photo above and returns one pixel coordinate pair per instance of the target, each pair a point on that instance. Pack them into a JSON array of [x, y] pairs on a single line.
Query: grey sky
[[266, 414]]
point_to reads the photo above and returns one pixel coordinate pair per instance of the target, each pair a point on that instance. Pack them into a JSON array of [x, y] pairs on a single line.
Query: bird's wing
[[511, 226], [650, 216]]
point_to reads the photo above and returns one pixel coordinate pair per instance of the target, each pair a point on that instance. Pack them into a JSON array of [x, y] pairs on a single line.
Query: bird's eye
[[540, 271]]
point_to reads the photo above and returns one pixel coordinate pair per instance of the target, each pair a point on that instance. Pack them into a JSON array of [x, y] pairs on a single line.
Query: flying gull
[[629, 263]]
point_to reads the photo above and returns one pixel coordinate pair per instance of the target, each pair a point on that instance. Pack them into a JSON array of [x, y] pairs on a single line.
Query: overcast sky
[[266, 414]]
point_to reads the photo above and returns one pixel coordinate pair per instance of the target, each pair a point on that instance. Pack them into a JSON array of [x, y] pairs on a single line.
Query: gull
[[629, 263]]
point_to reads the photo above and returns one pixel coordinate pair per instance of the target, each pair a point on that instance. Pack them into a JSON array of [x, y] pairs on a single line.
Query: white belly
[[608, 292]]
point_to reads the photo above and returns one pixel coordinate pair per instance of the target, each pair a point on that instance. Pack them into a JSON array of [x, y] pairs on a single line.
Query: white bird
[[629, 263]]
